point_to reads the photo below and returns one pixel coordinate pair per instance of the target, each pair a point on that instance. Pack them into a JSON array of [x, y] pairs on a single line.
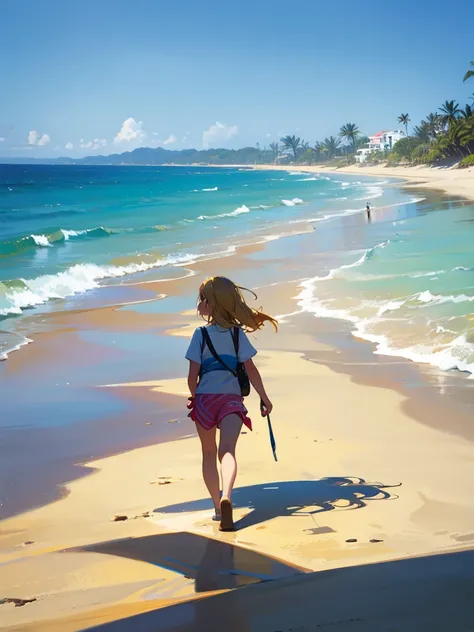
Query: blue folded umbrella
[[270, 430]]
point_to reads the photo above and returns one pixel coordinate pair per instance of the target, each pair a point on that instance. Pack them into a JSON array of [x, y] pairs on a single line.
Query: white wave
[[307, 179], [427, 297], [457, 354], [373, 192], [238, 211], [419, 275], [15, 345], [442, 330], [41, 240], [292, 202], [308, 302], [391, 306], [462, 268], [213, 189], [67, 234], [365, 256], [76, 279], [296, 173]]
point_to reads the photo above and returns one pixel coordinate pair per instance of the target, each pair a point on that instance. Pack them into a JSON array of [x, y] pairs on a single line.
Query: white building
[[382, 141]]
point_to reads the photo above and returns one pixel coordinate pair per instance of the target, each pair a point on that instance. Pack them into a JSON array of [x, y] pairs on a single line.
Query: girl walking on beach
[[218, 354]]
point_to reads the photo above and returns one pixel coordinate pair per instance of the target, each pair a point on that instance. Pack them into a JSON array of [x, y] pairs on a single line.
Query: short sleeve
[[194, 350], [246, 349]]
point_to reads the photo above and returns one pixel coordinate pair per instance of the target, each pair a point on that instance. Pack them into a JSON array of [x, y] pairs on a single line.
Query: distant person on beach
[[221, 370], [367, 208]]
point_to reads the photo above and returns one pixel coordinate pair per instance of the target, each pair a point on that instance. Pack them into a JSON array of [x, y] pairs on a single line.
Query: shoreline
[[459, 182]]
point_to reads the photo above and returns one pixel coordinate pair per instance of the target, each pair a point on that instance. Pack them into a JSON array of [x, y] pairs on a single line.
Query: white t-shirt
[[215, 378]]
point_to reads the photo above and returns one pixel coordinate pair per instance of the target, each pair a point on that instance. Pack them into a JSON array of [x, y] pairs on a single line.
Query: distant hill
[[160, 156]]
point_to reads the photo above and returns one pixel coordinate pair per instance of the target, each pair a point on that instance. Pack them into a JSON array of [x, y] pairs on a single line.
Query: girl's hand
[[266, 406], [190, 404]]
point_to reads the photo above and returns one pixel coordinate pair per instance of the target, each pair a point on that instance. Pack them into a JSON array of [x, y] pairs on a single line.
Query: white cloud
[[44, 140], [131, 131], [2, 140], [268, 135], [91, 144], [170, 140], [218, 132], [37, 140], [68, 146], [33, 137]]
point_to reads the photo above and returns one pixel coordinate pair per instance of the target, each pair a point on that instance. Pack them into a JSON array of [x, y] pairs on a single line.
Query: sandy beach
[[362, 478]]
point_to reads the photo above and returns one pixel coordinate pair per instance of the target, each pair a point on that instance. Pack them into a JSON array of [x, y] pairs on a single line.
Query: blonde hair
[[228, 307]]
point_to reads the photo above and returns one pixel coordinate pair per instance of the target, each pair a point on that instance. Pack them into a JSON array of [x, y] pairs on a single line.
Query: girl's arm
[[194, 368], [256, 381]]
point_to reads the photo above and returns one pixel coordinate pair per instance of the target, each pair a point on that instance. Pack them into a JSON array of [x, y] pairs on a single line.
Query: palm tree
[[404, 119], [449, 112], [468, 111], [350, 131], [317, 150], [275, 148], [469, 73], [331, 145], [291, 143], [433, 123], [422, 132]]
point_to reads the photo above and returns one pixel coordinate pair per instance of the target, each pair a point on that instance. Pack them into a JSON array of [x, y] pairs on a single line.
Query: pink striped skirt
[[208, 410]]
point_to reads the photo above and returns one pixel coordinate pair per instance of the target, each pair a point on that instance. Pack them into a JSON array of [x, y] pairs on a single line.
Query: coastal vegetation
[[446, 135]]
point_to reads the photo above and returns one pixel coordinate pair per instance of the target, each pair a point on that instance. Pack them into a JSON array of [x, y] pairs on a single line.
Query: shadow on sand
[[429, 594], [271, 500], [212, 564]]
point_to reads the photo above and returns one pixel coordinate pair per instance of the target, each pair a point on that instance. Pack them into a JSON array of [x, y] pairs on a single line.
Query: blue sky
[[82, 77]]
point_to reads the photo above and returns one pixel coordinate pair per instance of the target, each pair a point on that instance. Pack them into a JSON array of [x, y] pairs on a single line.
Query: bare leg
[[230, 428], [209, 463]]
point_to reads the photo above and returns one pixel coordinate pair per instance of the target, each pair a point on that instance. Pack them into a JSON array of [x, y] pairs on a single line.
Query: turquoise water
[[405, 280], [412, 292]]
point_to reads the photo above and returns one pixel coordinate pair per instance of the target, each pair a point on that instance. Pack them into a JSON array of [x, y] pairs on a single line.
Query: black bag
[[240, 373]]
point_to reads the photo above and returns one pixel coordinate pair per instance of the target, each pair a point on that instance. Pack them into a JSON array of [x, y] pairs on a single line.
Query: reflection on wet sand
[[214, 565]]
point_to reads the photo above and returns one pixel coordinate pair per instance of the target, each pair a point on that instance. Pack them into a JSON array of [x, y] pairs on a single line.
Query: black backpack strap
[[203, 340], [235, 338], [207, 340]]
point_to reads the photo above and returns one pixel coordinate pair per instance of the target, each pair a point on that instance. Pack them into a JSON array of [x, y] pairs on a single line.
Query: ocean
[[404, 280]]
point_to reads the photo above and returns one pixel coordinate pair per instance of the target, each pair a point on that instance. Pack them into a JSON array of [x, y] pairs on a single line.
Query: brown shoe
[[227, 521]]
